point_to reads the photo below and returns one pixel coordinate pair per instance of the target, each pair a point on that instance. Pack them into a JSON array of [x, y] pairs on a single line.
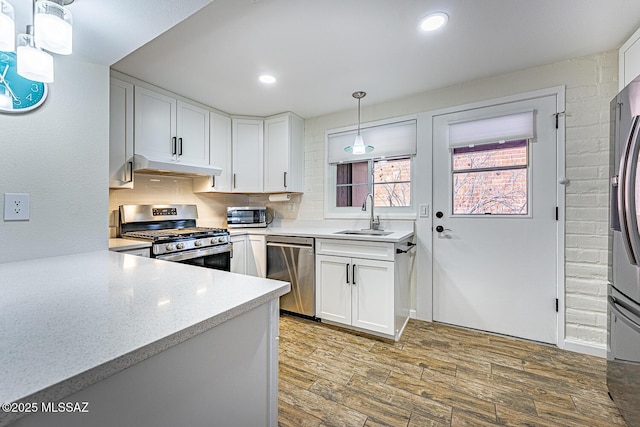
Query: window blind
[[390, 140], [491, 130]]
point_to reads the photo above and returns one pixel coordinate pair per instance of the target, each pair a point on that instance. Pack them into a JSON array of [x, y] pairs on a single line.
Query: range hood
[[145, 164]]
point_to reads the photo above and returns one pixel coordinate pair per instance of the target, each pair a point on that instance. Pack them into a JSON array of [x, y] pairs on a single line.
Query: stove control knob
[[180, 245], [222, 239], [170, 247], [198, 243], [214, 240]]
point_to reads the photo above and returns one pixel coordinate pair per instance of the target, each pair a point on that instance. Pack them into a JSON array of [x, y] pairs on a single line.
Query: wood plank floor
[[436, 375]]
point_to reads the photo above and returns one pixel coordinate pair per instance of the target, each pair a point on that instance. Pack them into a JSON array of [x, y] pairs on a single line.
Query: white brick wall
[[591, 82]]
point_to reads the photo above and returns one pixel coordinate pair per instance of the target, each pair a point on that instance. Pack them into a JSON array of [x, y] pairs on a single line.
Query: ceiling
[[322, 51]]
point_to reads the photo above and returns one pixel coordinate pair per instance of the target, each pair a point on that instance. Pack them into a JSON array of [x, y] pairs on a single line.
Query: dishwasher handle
[[289, 245]]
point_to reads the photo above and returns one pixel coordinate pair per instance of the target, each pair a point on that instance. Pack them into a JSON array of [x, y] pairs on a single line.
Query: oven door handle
[[196, 253]]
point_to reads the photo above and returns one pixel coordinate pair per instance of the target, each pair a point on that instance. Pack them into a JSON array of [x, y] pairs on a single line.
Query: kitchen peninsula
[[142, 341]]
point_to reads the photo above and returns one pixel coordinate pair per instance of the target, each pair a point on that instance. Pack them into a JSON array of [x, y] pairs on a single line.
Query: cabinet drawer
[[383, 251]]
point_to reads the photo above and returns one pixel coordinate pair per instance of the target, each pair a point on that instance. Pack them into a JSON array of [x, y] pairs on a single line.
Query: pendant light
[[358, 147], [7, 27], [33, 63], [54, 26]]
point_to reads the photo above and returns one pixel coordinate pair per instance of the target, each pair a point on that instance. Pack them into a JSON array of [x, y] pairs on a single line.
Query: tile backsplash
[[212, 208]]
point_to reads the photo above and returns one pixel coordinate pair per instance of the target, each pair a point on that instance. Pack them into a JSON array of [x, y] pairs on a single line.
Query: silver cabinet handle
[[285, 180], [347, 265], [179, 146], [234, 180], [174, 146]]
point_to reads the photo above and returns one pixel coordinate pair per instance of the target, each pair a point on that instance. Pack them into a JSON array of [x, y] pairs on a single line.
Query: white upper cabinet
[[155, 131], [170, 130], [629, 60], [248, 154], [284, 153], [219, 156], [193, 134], [120, 134]]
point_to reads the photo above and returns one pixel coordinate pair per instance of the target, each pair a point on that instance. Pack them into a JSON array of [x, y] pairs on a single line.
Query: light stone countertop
[[68, 322], [323, 232], [120, 244]]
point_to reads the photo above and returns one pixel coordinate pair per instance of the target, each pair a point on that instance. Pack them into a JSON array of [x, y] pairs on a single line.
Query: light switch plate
[[16, 206], [424, 211]]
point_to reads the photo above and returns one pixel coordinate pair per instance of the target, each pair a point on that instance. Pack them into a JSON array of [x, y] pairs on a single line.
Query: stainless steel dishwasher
[[292, 259]]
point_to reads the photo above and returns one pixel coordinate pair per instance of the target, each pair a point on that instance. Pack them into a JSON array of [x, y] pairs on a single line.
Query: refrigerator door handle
[[626, 189], [614, 304]]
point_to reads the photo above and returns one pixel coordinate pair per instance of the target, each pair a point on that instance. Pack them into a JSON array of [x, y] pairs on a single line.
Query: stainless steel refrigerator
[[623, 346]]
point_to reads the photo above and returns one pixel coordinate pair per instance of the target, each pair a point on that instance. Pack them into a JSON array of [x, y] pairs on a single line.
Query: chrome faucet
[[374, 224]]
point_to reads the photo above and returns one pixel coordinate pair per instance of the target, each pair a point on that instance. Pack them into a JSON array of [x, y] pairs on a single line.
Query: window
[[384, 172], [389, 179], [491, 179]]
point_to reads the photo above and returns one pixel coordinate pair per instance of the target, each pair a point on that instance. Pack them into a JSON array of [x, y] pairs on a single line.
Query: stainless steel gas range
[[174, 236]]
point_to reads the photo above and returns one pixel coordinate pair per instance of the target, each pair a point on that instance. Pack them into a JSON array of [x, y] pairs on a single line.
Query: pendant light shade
[[358, 147], [7, 27], [33, 63], [53, 27]]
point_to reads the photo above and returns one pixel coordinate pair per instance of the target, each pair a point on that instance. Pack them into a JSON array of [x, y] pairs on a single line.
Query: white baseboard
[[413, 314], [599, 350]]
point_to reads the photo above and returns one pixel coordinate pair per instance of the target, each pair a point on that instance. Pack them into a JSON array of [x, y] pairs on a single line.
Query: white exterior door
[[494, 262]]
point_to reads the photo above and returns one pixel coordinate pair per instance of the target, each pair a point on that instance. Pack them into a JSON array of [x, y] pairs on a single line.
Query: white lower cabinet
[[239, 259], [356, 292], [363, 285], [256, 255]]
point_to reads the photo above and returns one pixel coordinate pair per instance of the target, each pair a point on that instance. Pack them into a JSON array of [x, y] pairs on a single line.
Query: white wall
[[590, 82], [59, 154]]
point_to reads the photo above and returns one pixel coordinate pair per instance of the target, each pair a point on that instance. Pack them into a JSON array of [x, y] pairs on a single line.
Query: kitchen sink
[[365, 232]]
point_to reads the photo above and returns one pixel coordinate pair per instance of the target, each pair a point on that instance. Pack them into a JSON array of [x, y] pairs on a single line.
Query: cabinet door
[[155, 125], [193, 133], [333, 288], [276, 154], [120, 134], [239, 260], [372, 303], [220, 155], [247, 156], [257, 256]]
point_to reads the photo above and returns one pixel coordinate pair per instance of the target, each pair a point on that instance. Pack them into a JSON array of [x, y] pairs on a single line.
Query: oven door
[[216, 257]]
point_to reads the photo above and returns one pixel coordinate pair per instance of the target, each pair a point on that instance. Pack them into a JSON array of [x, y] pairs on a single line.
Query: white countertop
[[68, 322], [324, 232], [120, 244]]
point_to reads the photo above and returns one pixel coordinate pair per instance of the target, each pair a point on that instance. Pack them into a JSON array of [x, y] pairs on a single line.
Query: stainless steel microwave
[[246, 216]]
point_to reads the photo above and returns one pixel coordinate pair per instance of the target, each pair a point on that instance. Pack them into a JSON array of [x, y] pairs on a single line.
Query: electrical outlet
[[16, 206]]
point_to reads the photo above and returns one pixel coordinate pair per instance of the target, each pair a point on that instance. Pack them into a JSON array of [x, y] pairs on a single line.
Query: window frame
[[528, 166], [386, 212]]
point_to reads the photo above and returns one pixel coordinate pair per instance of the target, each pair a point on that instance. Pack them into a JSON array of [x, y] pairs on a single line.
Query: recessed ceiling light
[[434, 21], [267, 79]]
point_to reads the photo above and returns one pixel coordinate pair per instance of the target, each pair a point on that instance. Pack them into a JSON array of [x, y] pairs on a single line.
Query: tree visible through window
[[491, 179], [388, 180]]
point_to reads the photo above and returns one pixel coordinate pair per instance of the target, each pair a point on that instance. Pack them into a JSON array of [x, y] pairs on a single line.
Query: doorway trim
[[424, 272]]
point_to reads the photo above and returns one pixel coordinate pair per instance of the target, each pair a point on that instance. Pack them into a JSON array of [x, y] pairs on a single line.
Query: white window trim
[[356, 212]]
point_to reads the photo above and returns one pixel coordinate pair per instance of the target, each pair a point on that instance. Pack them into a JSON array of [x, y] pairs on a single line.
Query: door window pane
[[491, 179]]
